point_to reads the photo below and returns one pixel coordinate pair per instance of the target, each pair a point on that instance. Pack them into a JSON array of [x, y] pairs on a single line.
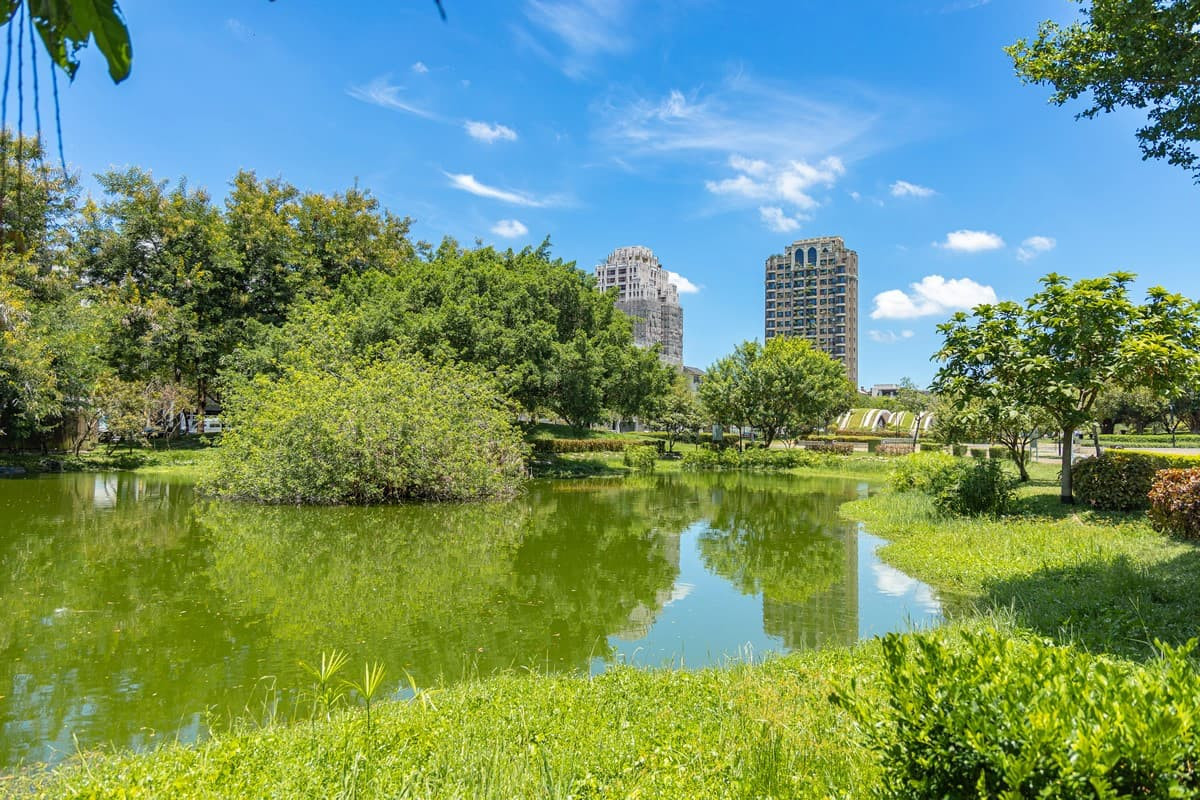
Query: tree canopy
[[1067, 344], [786, 385], [1142, 54]]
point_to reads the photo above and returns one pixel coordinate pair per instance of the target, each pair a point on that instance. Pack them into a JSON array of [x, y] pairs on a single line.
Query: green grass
[[761, 731], [188, 457], [1105, 582]]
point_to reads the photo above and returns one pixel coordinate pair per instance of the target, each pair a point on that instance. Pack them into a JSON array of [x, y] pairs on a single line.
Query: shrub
[[757, 458], [895, 449], [999, 452], [978, 453], [1175, 502], [932, 447], [924, 472], [838, 448], [641, 458], [981, 488], [383, 432], [959, 450], [1121, 481], [988, 715], [609, 444]]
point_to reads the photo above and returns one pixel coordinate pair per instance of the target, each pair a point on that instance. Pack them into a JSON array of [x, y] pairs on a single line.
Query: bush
[[1175, 502], [756, 458], [987, 715], [641, 458], [999, 452], [925, 472], [1121, 481], [895, 449], [609, 444], [933, 447], [384, 432], [978, 453], [981, 488], [837, 448], [959, 450]]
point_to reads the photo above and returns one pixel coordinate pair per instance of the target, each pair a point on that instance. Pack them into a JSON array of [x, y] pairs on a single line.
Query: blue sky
[[713, 132]]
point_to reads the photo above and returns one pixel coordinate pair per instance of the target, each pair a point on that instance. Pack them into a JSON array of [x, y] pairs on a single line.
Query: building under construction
[[647, 295]]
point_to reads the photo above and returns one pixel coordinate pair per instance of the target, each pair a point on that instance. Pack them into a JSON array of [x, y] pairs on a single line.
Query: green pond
[[135, 612]]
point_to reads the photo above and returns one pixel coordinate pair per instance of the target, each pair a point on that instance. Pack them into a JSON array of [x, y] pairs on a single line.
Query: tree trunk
[[1068, 450]]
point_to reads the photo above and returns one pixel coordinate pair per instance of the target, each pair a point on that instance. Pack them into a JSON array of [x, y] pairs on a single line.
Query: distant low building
[[885, 390], [694, 377]]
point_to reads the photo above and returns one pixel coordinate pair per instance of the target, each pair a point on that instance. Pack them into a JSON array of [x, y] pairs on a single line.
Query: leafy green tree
[[1140, 54], [724, 391], [66, 27], [1137, 407], [786, 385], [386, 430], [680, 411], [796, 388], [993, 414], [1068, 343]]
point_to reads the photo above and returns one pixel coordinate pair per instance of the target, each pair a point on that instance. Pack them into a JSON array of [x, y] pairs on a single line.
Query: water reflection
[[134, 611]]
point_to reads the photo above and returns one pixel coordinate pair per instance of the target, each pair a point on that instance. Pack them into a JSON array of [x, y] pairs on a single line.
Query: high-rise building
[[812, 291], [648, 296]]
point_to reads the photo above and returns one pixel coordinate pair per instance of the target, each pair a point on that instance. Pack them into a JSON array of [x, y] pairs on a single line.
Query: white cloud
[[420, 68], [855, 196], [1034, 246], [889, 337], [965, 241], [468, 183], [510, 228], [585, 29], [906, 189], [382, 93], [239, 30], [490, 133], [774, 218], [761, 121], [789, 182], [932, 295], [681, 283]]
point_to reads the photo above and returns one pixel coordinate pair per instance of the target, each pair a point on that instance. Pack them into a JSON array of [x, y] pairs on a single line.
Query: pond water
[[135, 612]]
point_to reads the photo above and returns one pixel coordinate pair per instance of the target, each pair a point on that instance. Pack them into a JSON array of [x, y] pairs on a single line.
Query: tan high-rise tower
[[647, 295], [812, 291]]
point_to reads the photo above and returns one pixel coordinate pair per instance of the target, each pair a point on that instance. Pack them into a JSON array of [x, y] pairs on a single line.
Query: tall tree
[[1142, 54], [1068, 343], [679, 412]]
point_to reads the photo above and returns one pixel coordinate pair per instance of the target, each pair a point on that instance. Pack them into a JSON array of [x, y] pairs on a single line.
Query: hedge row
[[755, 458], [1150, 439], [1121, 480], [601, 445]]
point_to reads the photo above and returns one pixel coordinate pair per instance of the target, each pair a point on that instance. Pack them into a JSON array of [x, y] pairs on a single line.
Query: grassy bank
[[762, 731], [1106, 582], [188, 456]]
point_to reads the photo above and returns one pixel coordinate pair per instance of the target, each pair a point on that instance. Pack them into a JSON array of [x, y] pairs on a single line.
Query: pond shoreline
[[765, 728]]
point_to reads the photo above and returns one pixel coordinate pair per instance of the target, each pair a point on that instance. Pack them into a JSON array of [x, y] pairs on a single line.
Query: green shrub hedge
[[641, 458], [1150, 439], [1121, 480], [979, 488], [926, 472], [988, 715], [895, 449], [1175, 502], [394, 430], [604, 445], [756, 458]]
